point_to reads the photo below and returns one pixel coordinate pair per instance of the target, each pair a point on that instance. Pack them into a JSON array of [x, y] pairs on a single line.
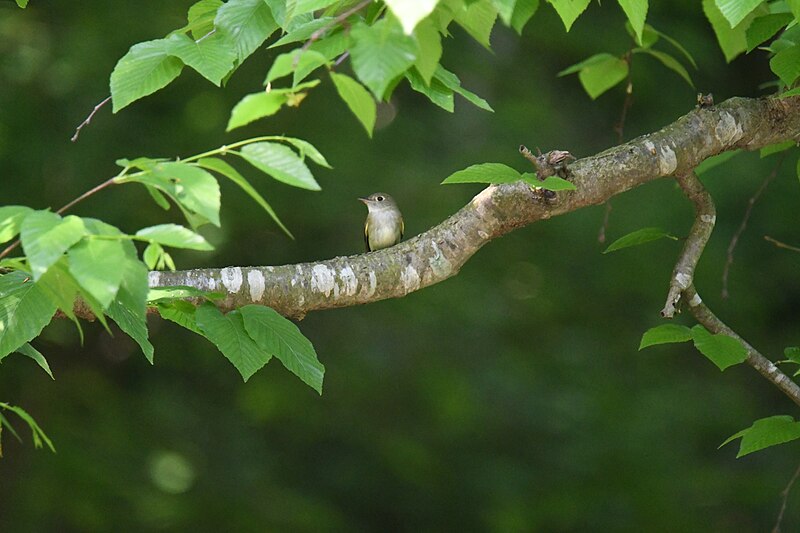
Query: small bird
[[384, 225]]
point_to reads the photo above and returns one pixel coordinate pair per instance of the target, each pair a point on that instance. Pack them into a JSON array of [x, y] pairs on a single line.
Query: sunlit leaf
[[246, 24], [764, 433], [380, 53], [280, 162], [636, 10], [24, 311], [11, 217], [212, 57], [146, 68], [46, 236], [357, 98], [569, 10], [735, 11], [484, 173]]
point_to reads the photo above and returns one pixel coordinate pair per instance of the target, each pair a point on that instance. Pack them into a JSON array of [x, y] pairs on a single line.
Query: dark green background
[[509, 398]]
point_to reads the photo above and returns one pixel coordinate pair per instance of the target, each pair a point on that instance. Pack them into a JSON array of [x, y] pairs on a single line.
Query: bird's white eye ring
[[379, 198]]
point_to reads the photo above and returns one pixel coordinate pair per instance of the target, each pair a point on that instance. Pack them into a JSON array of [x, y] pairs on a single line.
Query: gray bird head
[[379, 201]]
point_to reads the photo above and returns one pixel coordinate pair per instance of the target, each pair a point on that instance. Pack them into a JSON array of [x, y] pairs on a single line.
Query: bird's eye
[[379, 198]]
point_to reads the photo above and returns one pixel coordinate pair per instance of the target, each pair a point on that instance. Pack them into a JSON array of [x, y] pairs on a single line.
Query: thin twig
[[735, 239], [784, 498], [86, 122], [780, 244]]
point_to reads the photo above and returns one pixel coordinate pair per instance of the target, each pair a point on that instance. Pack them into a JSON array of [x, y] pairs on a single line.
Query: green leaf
[[46, 236], [649, 35], [452, 82], [33, 353], [764, 28], [281, 338], [636, 10], [228, 333], [212, 57], [62, 289], [24, 311], [430, 49], [380, 53], [301, 7], [435, 91], [175, 236], [300, 62], [357, 99], [173, 292], [96, 266], [597, 59], [786, 64], [504, 8], [720, 349], [11, 217], [255, 106], [304, 31], [776, 148], [715, 160], [146, 68], [182, 313], [764, 433], [523, 11], [484, 173], [478, 20], [732, 41], [675, 44], [569, 10], [246, 24], [640, 236], [201, 17], [307, 149], [735, 11], [152, 254], [157, 197], [409, 13], [665, 334], [669, 62], [281, 163], [603, 75], [22, 3], [129, 309], [223, 168], [792, 353], [551, 183], [38, 435]]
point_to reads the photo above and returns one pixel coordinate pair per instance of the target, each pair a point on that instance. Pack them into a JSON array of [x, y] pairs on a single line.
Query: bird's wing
[[366, 234]]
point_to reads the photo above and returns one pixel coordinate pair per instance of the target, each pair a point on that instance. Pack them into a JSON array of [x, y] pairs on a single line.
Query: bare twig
[[704, 217], [784, 498], [780, 244], [735, 239], [86, 122]]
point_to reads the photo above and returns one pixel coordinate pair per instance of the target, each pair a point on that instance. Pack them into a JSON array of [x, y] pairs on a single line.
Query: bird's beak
[[364, 200]]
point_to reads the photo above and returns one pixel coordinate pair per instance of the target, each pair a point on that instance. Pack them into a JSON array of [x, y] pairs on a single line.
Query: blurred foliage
[[510, 398]]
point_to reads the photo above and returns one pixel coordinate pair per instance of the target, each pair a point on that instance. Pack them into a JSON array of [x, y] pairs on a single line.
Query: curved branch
[[439, 253]]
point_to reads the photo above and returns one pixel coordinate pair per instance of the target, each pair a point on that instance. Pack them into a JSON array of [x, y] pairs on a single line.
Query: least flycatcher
[[384, 226]]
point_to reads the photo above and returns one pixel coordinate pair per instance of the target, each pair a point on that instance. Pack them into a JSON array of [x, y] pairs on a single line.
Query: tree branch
[[439, 253]]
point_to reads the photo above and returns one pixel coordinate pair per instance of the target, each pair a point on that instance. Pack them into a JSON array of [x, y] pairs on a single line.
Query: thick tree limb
[[439, 253]]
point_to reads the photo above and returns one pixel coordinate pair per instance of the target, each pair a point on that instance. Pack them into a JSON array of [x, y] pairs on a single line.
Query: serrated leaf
[[357, 98], [435, 91], [720, 349], [212, 57], [410, 12], [569, 10], [146, 68], [640, 236], [764, 28], [732, 41], [301, 7], [735, 11], [28, 350], [96, 266], [523, 11], [636, 11], [255, 106], [380, 53], [228, 333], [786, 64], [129, 310], [182, 313], [62, 289], [24, 311], [11, 217], [764, 433], [715, 160], [175, 236], [223, 168], [484, 173], [200, 17], [452, 82], [246, 24], [46, 236], [299, 62], [430, 49], [601, 76], [281, 338], [669, 62], [665, 334], [478, 20], [280, 162]]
